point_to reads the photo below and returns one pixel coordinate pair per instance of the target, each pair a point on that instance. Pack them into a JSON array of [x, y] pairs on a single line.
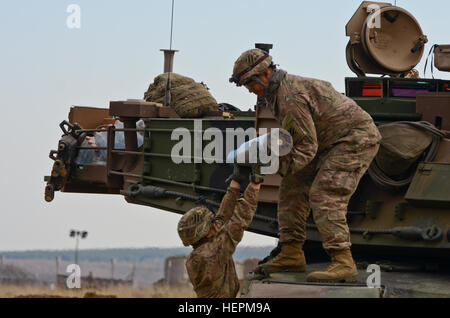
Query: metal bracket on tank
[[429, 234], [372, 208], [400, 210]]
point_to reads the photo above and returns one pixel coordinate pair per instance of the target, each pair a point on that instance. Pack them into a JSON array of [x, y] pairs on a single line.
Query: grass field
[[7, 291]]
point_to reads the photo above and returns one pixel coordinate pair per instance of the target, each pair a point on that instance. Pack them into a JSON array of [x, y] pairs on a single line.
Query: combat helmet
[[251, 63], [195, 225]]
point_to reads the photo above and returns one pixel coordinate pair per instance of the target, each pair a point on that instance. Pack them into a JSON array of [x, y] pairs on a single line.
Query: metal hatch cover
[[397, 280], [294, 285]]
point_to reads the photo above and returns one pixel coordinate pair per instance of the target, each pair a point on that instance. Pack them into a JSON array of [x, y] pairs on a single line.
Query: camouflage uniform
[[334, 144], [210, 265]]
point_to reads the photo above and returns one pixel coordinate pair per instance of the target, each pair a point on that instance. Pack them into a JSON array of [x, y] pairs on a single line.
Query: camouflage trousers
[[325, 187]]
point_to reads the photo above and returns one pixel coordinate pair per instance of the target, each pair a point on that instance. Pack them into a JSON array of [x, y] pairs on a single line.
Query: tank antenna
[[168, 97]]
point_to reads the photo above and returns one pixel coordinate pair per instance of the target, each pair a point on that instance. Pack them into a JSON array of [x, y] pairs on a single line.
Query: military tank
[[399, 217]]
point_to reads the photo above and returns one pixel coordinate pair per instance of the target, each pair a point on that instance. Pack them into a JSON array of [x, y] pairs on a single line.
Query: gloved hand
[[244, 173], [255, 175], [241, 174]]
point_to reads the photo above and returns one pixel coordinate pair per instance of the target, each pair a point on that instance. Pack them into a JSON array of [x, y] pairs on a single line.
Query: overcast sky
[[45, 68]]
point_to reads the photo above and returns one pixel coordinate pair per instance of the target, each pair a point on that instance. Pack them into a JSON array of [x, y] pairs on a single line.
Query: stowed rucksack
[[188, 98], [403, 145]]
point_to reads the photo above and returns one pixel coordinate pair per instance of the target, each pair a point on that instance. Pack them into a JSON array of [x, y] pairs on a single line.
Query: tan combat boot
[[342, 269], [290, 259]]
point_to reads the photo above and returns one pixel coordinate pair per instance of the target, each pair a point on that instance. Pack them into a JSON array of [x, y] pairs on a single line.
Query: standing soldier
[[334, 143], [210, 266]]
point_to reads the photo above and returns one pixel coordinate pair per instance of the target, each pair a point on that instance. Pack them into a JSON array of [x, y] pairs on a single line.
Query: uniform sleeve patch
[[290, 124]]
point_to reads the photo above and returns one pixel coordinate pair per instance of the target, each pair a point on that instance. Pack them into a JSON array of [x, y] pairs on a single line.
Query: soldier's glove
[[255, 175], [241, 174]]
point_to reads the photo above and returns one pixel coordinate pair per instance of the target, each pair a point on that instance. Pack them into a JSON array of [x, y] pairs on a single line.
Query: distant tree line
[[128, 254]]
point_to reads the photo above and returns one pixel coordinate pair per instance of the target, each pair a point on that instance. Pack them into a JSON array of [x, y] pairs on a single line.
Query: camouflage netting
[[188, 98]]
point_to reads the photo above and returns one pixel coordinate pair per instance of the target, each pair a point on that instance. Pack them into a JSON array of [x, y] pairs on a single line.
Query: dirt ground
[[111, 292]]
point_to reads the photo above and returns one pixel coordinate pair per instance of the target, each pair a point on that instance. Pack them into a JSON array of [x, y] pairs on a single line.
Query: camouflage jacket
[[317, 116], [210, 266]]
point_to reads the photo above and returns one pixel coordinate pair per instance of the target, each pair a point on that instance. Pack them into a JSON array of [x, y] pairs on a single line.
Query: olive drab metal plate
[[294, 285], [434, 107], [430, 186]]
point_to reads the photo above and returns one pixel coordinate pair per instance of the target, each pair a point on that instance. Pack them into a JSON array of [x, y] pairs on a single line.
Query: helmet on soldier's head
[[250, 63], [195, 225]]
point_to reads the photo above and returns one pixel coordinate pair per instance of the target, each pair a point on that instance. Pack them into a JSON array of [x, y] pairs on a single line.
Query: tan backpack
[[188, 98], [401, 146], [440, 58]]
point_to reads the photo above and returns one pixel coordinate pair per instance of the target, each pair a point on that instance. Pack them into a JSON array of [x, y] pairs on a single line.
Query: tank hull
[[371, 209]]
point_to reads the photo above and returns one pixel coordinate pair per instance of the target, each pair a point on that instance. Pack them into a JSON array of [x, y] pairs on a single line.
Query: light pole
[[112, 268], [77, 235]]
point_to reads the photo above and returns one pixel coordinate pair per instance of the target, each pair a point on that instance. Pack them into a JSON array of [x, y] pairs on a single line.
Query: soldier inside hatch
[[334, 144], [210, 265]]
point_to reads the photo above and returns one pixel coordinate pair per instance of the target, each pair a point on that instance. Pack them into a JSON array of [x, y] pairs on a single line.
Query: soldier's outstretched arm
[[227, 205], [243, 215], [300, 124]]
